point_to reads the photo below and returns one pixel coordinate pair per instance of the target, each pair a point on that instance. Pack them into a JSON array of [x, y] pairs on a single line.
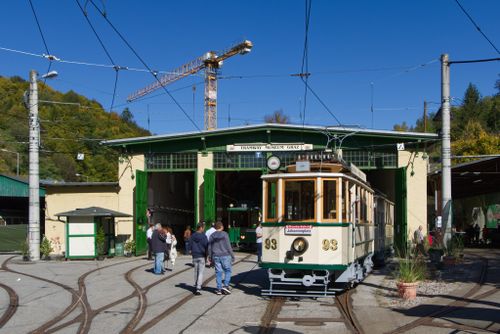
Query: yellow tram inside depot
[[318, 227]]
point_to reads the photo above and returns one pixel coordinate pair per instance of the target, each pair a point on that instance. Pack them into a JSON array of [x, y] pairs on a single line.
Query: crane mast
[[210, 62]]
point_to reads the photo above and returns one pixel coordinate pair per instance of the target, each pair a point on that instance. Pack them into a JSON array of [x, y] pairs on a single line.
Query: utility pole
[[425, 116], [445, 148], [34, 180]]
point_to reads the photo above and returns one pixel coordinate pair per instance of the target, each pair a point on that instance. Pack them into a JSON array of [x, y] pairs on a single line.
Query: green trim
[[282, 224], [81, 235], [180, 170], [196, 199], [275, 265]]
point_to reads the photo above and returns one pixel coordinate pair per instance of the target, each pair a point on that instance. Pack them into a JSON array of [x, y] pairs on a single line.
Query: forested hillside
[[475, 123], [66, 129]]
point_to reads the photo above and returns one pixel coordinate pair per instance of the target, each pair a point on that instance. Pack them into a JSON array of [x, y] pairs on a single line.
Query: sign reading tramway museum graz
[[263, 147]]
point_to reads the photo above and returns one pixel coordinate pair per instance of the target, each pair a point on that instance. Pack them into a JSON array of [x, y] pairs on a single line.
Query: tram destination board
[[298, 229]]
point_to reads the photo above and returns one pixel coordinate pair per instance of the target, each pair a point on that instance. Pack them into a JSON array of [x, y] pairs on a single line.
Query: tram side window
[[271, 200], [345, 200], [299, 200], [329, 199]]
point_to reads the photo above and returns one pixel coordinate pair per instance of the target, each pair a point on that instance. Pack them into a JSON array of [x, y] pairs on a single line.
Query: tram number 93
[[270, 243], [330, 244]]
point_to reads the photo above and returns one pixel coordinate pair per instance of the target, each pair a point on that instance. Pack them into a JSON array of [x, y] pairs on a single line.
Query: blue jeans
[[222, 264], [158, 268]]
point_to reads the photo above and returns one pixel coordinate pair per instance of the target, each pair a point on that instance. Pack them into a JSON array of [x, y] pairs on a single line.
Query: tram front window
[[271, 200], [299, 200]]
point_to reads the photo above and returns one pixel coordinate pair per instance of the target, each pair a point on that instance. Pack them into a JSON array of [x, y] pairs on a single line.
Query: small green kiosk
[[82, 226]]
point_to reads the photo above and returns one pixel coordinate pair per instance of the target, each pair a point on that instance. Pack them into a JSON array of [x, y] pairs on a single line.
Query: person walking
[[199, 248], [149, 235], [221, 254], [258, 236], [187, 237], [158, 247], [211, 230]]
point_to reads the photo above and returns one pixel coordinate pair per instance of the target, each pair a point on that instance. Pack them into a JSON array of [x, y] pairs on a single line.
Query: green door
[[209, 196], [141, 220], [401, 221]]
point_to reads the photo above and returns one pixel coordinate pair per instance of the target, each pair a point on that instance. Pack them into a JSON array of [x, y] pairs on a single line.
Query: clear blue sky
[[347, 41]]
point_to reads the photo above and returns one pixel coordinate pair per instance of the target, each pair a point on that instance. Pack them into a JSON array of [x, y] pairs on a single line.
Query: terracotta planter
[[450, 260], [407, 291]]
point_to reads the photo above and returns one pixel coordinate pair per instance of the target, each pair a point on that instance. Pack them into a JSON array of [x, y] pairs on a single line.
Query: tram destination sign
[[265, 147], [298, 229]]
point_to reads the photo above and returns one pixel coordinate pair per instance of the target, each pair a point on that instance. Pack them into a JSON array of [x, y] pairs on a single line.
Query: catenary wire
[[154, 74], [477, 26]]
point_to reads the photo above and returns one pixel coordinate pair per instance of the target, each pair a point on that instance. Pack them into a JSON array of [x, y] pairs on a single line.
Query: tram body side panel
[[365, 239], [327, 245]]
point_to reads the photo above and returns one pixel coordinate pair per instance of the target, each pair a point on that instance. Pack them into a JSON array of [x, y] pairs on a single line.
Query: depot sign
[[263, 147]]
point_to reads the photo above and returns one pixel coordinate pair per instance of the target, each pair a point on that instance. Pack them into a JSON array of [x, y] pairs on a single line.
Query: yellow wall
[[416, 186], [60, 199], [127, 168]]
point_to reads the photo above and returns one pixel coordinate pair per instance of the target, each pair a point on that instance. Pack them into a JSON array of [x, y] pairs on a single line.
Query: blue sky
[[351, 44]]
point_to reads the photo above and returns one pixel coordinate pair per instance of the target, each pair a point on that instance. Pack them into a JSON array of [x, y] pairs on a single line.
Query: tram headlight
[[300, 245]]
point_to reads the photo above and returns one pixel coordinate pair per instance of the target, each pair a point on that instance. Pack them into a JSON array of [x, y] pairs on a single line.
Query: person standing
[[419, 240], [211, 230], [158, 247], [149, 235], [199, 248], [258, 236], [187, 237], [221, 254]]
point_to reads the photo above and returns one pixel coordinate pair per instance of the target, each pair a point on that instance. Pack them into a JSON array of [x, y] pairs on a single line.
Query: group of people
[[162, 245], [210, 248]]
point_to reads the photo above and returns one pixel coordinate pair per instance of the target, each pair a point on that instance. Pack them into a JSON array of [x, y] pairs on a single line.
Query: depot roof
[[270, 126]]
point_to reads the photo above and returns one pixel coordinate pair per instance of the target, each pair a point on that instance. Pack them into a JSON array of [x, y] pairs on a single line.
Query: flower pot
[[26, 258], [435, 255], [100, 257], [450, 260], [407, 291]]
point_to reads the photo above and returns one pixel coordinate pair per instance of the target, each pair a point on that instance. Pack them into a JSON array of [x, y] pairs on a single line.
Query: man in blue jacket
[[199, 245], [221, 254]]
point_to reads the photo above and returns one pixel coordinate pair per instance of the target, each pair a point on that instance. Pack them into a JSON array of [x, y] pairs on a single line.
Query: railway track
[[13, 304], [342, 303], [469, 297]]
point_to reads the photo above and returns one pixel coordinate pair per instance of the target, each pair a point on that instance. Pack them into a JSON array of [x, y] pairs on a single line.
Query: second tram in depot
[[323, 226]]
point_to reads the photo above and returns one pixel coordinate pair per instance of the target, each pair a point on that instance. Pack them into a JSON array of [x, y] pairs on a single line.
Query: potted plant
[[100, 240], [411, 270], [454, 251], [25, 250], [46, 248], [129, 248]]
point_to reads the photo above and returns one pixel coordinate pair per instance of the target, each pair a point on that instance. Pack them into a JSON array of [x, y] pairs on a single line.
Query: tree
[[127, 116], [497, 86], [278, 117], [401, 127], [476, 141]]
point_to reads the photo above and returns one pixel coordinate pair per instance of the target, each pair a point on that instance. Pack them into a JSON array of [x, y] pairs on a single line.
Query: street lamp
[[17, 154], [34, 166]]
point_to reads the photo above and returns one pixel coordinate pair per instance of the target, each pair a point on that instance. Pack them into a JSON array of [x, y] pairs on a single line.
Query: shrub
[[46, 247], [130, 246], [100, 239]]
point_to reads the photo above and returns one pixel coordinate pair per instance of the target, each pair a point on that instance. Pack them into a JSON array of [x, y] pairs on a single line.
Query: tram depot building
[[186, 178]]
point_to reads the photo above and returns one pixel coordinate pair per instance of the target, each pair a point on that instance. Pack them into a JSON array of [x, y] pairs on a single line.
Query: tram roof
[[393, 136]]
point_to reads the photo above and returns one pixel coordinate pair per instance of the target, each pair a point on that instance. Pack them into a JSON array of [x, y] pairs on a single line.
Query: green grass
[[11, 237]]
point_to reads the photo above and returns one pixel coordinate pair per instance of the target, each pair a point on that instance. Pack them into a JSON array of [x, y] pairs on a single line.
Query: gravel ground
[[439, 283]]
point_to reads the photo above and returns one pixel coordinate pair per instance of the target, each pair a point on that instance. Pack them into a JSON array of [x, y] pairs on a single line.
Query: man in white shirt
[[258, 236], [209, 232], [149, 234]]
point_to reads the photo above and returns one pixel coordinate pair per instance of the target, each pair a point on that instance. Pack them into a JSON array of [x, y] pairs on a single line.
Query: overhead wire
[[477, 26], [154, 74], [304, 69], [115, 67]]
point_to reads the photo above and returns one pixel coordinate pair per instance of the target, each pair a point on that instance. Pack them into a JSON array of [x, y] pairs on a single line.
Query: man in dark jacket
[[221, 254], [199, 245], [158, 247]]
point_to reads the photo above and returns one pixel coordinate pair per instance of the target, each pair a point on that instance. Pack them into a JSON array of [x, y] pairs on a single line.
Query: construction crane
[[211, 62]]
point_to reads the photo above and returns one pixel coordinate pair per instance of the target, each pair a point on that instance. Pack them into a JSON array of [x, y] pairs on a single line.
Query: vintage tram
[[319, 231]]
